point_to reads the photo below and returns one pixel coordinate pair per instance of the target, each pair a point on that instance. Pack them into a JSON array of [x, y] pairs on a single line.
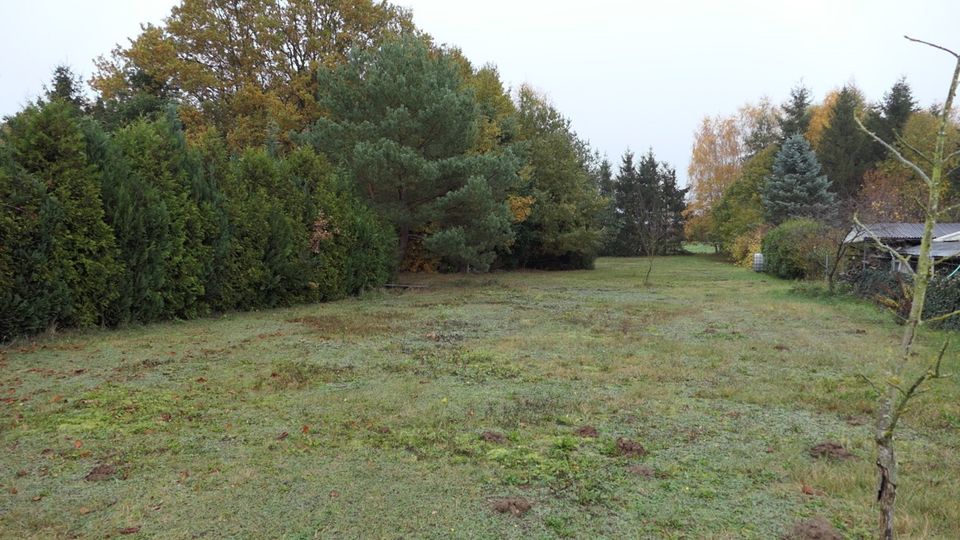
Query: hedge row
[[139, 226]]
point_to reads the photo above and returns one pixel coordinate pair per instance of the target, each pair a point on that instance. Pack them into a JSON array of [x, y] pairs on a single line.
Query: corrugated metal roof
[[952, 237], [937, 249], [899, 231]]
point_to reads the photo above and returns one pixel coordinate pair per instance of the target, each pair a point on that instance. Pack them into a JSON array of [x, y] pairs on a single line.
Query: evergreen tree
[[889, 117], [796, 188], [48, 148], [402, 124], [649, 207], [66, 87], [148, 196], [845, 151], [33, 294], [796, 112]]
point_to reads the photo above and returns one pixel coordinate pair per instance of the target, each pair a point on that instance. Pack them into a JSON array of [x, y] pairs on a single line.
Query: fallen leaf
[[36, 498], [78, 444], [129, 530], [283, 436], [334, 494], [807, 490], [84, 510], [201, 380], [305, 429]]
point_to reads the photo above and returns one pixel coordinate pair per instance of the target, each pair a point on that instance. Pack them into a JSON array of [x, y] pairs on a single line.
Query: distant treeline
[[279, 152]]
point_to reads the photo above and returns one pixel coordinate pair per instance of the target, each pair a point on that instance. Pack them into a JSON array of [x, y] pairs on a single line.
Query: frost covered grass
[[530, 404]]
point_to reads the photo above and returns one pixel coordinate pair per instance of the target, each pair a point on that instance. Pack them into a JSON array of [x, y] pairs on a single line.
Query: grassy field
[[685, 408]]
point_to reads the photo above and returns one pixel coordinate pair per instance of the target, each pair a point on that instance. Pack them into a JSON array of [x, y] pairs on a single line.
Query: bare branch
[[951, 156], [913, 149], [894, 151], [942, 317], [888, 249], [871, 383], [955, 55]]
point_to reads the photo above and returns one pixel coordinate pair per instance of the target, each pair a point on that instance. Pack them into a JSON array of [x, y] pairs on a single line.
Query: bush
[[943, 297], [797, 249], [744, 246]]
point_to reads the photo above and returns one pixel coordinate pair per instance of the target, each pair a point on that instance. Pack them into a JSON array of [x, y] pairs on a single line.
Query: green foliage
[[796, 188], [649, 208], [61, 249], [796, 112], [845, 151], [797, 249], [157, 223], [890, 116], [402, 124], [562, 230], [138, 226], [740, 210]]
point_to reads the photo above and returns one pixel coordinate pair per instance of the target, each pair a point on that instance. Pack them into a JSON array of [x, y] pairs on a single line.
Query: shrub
[[797, 249], [60, 253], [744, 246], [943, 297]]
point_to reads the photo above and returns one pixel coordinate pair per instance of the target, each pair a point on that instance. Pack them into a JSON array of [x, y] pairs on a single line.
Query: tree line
[[247, 155], [767, 165]]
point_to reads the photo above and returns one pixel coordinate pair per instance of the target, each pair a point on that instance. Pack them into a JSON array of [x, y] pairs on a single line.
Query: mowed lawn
[[413, 413]]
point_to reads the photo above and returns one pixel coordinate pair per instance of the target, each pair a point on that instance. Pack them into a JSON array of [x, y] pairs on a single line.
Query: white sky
[[628, 73]]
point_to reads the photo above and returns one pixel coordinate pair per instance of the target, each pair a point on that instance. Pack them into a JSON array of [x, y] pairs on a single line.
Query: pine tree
[[796, 188], [796, 112], [402, 124], [845, 152]]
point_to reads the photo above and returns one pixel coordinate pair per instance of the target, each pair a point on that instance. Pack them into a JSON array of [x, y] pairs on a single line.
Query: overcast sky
[[628, 73]]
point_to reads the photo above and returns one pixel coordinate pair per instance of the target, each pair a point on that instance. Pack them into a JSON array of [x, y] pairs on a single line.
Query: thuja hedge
[[137, 225]]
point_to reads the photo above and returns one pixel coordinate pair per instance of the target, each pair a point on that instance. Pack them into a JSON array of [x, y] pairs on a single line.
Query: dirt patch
[[517, 506], [292, 375], [494, 437], [816, 528], [640, 470], [830, 450], [100, 473], [587, 431], [627, 447], [366, 324]]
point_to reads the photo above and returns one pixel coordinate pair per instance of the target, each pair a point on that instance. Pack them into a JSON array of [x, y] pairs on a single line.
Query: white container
[[758, 262]]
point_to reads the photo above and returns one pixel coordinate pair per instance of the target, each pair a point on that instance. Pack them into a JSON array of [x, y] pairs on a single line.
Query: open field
[[381, 417]]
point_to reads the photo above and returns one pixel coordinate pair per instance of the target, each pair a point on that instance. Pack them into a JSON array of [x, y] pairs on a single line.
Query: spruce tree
[[845, 151], [649, 207], [796, 112], [888, 118], [796, 188]]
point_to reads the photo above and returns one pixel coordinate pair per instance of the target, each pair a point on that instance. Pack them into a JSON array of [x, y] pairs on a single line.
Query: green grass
[[363, 418]]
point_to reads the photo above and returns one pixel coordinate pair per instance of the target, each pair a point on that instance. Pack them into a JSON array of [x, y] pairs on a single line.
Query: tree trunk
[[886, 466]]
